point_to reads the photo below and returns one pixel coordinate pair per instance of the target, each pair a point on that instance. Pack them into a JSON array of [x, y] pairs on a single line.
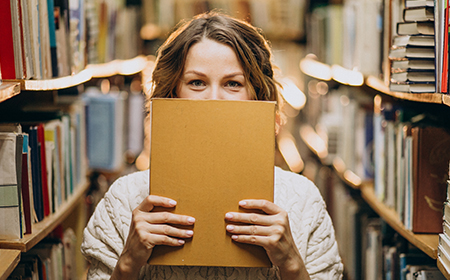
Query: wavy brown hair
[[251, 48]]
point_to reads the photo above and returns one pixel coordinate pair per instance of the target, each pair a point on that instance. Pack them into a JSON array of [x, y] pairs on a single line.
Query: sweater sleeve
[[107, 230], [322, 255], [311, 226]]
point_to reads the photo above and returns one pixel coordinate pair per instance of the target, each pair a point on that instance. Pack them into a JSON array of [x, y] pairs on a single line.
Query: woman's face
[[212, 71]]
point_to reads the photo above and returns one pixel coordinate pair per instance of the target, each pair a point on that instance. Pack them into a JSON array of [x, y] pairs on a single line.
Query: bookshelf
[[42, 229], [312, 68], [8, 90], [428, 243], [10, 250], [8, 260], [442, 269]]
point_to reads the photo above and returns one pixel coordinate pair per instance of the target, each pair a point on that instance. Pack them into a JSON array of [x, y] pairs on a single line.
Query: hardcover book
[[430, 168], [208, 155]]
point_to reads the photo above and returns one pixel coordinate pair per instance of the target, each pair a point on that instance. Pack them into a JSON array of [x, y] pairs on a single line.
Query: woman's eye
[[197, 83], [233, 84]]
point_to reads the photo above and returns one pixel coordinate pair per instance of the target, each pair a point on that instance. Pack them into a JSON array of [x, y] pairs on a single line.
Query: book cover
[[43, 168], [413, 76], [418, 14], [10, 225], [211, 152], [415, 28], [36, 172], [7, 54], [26, 195], [430, 168]]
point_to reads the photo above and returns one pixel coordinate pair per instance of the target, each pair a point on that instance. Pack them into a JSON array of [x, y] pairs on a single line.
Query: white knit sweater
[[311, 227]]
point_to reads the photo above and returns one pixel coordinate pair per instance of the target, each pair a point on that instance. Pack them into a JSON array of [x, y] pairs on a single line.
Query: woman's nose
[[215, 93]]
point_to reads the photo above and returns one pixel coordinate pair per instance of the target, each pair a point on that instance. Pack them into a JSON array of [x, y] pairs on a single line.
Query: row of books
[[43, 164], [404, 152], [368, 246], [444, 237], [410, 160], [419, 56], [400, 41], [114, 127], [275, 18], [51, 259], [42, 39]]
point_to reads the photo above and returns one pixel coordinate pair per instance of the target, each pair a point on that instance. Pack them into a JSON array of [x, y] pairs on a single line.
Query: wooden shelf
[[8, 260], [379, 85], [56, 83], [444, 271], [310, 66], [428, 243], [8, 90], [42, 229], [118, 67]]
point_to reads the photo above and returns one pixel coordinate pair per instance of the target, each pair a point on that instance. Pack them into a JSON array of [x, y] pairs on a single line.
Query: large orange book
[[208, 155]]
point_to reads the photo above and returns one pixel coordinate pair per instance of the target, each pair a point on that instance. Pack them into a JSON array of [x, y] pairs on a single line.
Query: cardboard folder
[[208, 155]]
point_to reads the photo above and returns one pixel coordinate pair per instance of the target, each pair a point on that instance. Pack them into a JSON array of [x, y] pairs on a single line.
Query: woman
[[213, 56]]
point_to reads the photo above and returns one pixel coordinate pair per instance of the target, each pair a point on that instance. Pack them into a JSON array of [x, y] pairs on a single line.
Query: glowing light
[[150, 31], [315, 69], [292, 94], [289, 151], [346, 76], [314, 141]]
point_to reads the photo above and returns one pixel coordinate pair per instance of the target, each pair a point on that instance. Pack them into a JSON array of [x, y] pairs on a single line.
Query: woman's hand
[[147, 230], [271, 231]]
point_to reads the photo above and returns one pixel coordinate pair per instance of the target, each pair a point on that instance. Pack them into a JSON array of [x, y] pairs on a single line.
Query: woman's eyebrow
[[195, 72]]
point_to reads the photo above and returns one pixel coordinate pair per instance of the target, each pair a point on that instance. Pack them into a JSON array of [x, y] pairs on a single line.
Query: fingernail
[[180, 241], [230, 227], [191, 220], [190, 232], [228, 216], [172, 202], [234, 237], [242, 203]]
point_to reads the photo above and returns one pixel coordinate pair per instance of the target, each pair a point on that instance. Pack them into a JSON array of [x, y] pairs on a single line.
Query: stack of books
[[444, 237], [412, 53]]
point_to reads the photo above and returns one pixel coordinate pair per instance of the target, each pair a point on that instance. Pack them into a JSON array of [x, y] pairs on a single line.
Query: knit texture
[[311, 227]]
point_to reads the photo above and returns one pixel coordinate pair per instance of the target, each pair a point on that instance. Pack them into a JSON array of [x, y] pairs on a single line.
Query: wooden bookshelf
[[321, 71], [56, 83], [379, 85], [42, 229], [428, 243], [118, 67], [443, 270], [8, 260], [8, 90]]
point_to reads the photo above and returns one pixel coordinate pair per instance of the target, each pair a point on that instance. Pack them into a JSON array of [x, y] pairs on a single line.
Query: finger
[[250, 239], [266, 206], [163, 218], [249, 230], [157, 239], [168, 218], [151, 201], [170, 231], [249, 218]]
